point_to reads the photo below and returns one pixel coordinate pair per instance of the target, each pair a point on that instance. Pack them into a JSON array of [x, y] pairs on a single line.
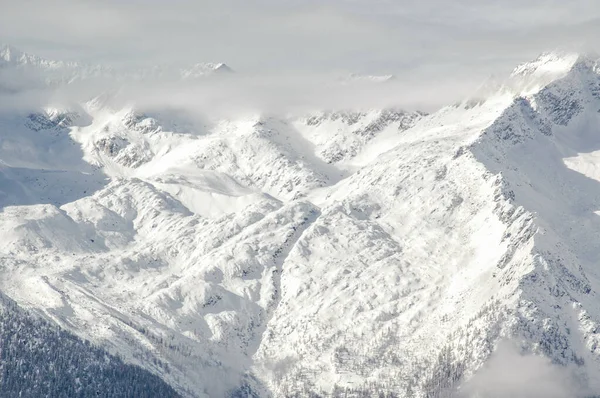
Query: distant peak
[[59, 72], [9, 53], [354, 77], [221, 67], [14, 56], [204, 69]]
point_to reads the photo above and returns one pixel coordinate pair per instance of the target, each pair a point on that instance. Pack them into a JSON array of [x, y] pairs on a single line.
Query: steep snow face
[[397, 276], [544, 147], [377, 250]]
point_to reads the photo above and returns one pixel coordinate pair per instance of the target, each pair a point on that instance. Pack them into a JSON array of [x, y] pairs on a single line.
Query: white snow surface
[[294, 254]]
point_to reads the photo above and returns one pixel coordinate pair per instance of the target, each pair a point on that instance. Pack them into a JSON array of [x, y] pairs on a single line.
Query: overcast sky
[[464, 40]]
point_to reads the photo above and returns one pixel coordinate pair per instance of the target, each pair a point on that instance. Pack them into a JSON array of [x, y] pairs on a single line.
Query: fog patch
[[295, 94], [508, 373]]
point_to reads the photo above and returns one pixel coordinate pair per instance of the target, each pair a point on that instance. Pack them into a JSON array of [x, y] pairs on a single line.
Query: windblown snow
[[360, 250]]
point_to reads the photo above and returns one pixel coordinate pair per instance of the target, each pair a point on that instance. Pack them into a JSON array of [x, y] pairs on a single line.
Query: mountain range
[[341, 252]]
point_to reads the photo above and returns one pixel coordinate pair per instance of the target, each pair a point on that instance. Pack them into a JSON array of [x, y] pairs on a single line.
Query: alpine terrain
[[341, 252]]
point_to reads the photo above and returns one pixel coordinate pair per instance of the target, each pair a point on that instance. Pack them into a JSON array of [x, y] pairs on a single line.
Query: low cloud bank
[[508, 373], [236, 94]]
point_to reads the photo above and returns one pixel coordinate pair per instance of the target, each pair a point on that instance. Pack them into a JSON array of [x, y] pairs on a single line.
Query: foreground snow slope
[[377, 250]]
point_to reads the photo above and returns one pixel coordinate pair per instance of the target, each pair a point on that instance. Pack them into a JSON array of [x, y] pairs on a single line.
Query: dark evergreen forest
[[38, 359]]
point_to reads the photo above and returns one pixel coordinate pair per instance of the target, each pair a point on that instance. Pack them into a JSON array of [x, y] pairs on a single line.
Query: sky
[[377, 36], [446, 42]]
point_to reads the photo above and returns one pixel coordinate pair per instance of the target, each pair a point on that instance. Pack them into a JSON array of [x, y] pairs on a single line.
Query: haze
[[420, 38]]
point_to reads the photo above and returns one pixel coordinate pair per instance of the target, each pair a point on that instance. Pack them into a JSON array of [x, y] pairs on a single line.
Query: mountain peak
[[550, 66], [548, 63], [532, 76]]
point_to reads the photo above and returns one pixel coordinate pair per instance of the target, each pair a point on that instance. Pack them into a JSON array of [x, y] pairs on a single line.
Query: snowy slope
[[374, 250]]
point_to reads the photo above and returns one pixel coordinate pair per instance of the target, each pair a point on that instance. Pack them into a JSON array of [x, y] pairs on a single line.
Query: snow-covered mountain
[[348, 251]]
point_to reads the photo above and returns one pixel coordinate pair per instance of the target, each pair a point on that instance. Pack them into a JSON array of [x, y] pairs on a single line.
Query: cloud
[[508, 373], [243, 95]]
